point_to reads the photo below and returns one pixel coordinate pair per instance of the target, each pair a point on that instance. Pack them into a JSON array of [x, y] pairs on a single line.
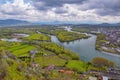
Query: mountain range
[[11, 22]]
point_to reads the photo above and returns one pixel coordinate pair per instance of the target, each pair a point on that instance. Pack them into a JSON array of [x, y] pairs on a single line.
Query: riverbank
[[86, 49], [111, 54], [64, 35], [70, 36], [100, 41]]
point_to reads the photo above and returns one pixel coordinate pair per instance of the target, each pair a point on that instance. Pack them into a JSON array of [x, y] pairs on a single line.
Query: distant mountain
[[57, 23], [109, 24], [100, 25], [10, 22], [76, 23]]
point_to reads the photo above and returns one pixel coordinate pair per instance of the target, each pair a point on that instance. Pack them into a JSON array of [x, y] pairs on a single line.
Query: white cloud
[[68, 12], [18, 10]]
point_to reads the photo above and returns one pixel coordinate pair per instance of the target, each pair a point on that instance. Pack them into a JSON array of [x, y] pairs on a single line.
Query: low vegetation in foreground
[[20, 62]]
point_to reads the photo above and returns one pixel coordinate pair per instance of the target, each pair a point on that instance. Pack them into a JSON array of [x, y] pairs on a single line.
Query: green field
[[50, 60], [20, 49], [38, 37], [76, 65]]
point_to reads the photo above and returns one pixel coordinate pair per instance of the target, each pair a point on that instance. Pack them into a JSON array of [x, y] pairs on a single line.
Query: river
[[86, 49]]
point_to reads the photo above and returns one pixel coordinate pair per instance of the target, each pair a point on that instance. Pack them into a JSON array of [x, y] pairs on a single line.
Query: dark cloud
[[60, 11], [53, 3], [104, 7], [112, 12], [47, 4], [10, 13]]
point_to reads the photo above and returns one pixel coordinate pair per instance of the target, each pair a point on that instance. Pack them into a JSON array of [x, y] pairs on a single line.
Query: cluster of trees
[[62, 34], [102, 62], [70, 36], [58, 49]]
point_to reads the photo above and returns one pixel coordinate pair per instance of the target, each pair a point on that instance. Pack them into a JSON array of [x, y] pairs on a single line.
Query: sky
[[89, 11]]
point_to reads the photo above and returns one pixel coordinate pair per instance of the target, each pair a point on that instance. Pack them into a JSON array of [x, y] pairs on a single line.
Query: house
[[51, 67], [20, 35], [66, 71], [105, 78], [33, 52], [35, 65], [82, 76], [99, 77], [92, 78]]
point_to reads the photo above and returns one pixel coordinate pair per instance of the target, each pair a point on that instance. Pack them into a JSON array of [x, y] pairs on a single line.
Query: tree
[[87, 65], [101, 62]]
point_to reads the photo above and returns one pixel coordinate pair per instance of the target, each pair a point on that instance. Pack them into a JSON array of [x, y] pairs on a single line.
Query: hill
[[9, 22]]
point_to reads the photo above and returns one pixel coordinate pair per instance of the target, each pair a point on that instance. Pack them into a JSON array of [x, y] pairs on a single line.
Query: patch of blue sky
[[4, 1]]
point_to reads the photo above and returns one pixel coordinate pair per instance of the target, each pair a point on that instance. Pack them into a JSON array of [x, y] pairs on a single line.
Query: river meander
[[86, 49]]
